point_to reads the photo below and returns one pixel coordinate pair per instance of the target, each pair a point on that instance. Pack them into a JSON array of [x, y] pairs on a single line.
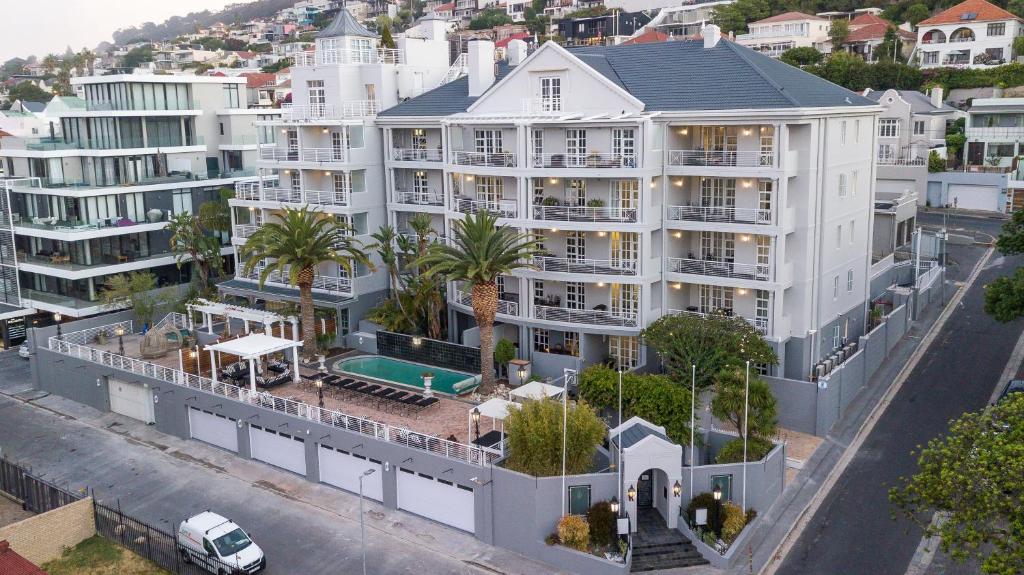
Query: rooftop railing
[[505, 307], [320, 112], [759, 323], [346, 56]]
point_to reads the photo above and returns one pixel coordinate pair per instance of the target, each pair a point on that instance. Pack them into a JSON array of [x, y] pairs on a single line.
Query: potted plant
[[595, 203], [550, 201], [428, 379]]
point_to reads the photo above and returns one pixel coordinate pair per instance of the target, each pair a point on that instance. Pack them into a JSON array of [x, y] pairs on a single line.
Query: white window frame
[[842, 185], [849, 280], [888, 128], [575, 295], [551, 94], [919, 127]]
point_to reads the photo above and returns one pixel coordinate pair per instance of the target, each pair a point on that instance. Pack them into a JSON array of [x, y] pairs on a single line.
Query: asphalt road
[[303, 528], [852, 531]]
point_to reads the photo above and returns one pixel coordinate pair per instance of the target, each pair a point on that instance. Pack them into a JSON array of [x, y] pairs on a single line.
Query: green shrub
[[732, 452], [602, 523], [551, 539], [733, 521], [574, 532], [595, 203], [704, 501], [550, 201], [534, 433], [936, 163], [655, 398]]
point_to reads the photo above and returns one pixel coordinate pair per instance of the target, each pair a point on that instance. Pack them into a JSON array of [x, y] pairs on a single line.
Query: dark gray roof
[[633, 434], [919, 103], [345, 25], [34, 107], [676, 76]]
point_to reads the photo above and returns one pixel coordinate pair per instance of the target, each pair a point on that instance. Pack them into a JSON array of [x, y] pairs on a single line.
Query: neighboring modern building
[[995, 132], [94, 202], [327, 153], [679, 21], [972, 34], [676, 177], [773, 36], [610, 28]]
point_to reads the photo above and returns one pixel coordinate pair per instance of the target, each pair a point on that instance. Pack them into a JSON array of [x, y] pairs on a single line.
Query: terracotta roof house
[[972, 34], [867, 31], [648, 37], [773, 36]]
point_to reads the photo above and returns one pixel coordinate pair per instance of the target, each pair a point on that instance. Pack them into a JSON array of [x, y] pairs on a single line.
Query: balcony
[[585, 316], [490, 159], [589, 160], [343, 56], [37, 183], [313, 155], [505, 306], [503, 208], [722, 269], [759, 323], [720, 158], [244, 230], [584, 214], [324, 284], [717, 214], [416, 155], [329, 112], [901, 161], [419, 198], [52, 144], [585, 266], [302, 196]]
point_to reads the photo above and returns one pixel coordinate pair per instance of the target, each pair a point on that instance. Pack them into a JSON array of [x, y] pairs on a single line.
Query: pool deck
[[333, 366]]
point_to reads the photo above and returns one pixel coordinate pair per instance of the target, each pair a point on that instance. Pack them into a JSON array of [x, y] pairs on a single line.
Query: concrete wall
[[551, 365], [44, 537]]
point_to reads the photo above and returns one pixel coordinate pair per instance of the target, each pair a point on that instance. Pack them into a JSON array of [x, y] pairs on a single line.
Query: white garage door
[[131, 399], [437, 499], [974, 197], [214, 429], [278, 449], [342, 469]]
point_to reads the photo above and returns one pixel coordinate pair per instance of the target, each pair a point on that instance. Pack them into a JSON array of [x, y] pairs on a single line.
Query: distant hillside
[[177, 25]]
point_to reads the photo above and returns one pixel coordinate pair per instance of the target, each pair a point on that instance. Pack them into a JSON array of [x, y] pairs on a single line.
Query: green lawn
[[99, 556]]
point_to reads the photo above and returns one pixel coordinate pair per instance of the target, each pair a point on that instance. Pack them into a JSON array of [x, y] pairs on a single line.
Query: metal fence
[[35, 494]]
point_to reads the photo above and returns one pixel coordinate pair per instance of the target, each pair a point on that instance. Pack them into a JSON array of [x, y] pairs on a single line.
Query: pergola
[[496, 409], [252, 347], [535, 390], [267, 319]]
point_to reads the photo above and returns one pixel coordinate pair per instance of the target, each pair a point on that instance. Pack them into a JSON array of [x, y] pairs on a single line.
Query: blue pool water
[[407, 373]]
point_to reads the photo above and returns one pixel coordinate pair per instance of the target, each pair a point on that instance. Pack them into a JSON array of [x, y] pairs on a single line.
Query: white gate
[[438, 499], [278, 449], [342, 469], [213, 429], [131, 399]]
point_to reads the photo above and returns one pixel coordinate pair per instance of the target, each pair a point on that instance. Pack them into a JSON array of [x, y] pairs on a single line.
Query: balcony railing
[[50, 144], [245, 230], [897, 161], [318, 155], [759, 323], [503, 208], [719, 214], [590, 160], [416, 155], [291, 196], [420, 198], [274, 154], [542, 105], [344, 56], [585, 266], [584, 214], [495, 159], [319, 112], [722, 158], [505, 307], [759, 272], [585, 316], [326, 284]]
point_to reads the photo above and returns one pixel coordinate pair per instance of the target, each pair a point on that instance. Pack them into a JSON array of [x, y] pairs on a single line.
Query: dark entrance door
[[644, 495], [976, 153]]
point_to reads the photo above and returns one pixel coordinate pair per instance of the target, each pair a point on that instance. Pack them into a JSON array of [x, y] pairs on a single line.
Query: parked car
[[1013, 386], [24, 351], [218, 545]]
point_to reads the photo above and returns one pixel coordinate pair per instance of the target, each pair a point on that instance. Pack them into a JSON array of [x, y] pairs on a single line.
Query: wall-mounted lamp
[[600, 284], [417, 340], [742, 291], [653, 184], [601, 234], [684, 131], [677, 234], [553, 180], [744, 238], [678, 183], [469, 178], [677, 285], [677, 489], [747, 183], [747, 131], [631, 493], [614, 505], [325, 130], [554, 230]]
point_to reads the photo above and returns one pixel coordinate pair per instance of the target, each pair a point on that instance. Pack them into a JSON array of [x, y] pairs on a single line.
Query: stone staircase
[[656, 547]]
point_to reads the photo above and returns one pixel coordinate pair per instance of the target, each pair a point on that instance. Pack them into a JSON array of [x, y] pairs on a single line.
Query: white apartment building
[[327, 151], [972, 34], [994, 131], [94, 202], [773, 36], [673, 177]]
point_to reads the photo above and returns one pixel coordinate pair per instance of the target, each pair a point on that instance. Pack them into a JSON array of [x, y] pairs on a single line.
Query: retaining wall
[[44, 537]]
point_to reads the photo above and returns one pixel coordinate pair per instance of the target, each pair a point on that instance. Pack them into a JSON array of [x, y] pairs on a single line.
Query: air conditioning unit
[[819, 370], [828, 365], [850, 349], [839, 356]]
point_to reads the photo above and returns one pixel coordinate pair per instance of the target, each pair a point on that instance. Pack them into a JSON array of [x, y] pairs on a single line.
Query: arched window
[[962, 35], [934, 37]]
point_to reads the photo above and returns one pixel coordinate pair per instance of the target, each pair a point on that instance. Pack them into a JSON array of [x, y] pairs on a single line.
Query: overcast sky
[[43, 26]]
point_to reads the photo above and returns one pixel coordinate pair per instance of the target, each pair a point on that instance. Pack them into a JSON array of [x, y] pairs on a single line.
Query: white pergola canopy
[[254, 346], [209, 309], [535, 390], [496, 408]]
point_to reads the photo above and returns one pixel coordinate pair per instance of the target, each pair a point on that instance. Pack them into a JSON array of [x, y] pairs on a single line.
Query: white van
[[219, 545]]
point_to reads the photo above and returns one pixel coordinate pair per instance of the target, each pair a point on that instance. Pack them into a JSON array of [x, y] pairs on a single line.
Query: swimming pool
[[408, 373]]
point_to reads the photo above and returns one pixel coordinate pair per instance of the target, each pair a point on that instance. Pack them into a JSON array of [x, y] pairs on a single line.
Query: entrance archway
[[651, 468]]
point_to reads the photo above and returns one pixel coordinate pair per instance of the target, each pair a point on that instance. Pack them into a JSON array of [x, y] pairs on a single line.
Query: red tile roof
[[787, 17], [13, 564], [985, 11], [259, 79], [504, 41], [245, 54], [4, 134], [871, 27], [648, 37], [449, 7]]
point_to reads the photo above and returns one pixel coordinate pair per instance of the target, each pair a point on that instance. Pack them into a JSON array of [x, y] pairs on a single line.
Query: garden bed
[[99, 556]]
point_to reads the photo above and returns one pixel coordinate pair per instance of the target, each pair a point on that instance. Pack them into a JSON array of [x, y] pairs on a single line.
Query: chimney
[[481, 66], [936, 95], [516, 52], [712, 34]]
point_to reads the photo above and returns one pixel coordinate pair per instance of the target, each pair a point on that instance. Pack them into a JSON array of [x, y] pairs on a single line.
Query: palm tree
[[50, 63], [295, 246], [478, 252], [88, 58]]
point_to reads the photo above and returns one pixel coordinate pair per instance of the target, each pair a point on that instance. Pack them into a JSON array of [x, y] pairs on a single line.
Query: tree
[[534, 438], [729, 404], [656, 398], [277, 66], [734, 17], [138, 291], [477, 253], [28, 92], [215, 215], [712, 343], [803, 56], [385, 37], [844, 69], [88, 58], [137, 56], [50, 63], [191, 243], [295, 246], [1004, 297], [915, 13], [975, 476], [1011, 238], [936, 163], [1016, 6], [489, 18], [504, 352], [838, 32]]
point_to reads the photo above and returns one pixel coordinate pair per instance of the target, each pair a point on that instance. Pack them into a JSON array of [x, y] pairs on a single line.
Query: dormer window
[[551, 93]]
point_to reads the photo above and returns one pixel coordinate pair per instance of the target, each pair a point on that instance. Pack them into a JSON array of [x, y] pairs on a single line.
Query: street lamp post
[[362, 528], [120, 340], [717, 494], [476, 421], [57, 317], [320, 391]]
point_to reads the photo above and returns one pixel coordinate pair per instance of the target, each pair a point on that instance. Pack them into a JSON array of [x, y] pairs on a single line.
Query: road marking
[[808, 512]]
